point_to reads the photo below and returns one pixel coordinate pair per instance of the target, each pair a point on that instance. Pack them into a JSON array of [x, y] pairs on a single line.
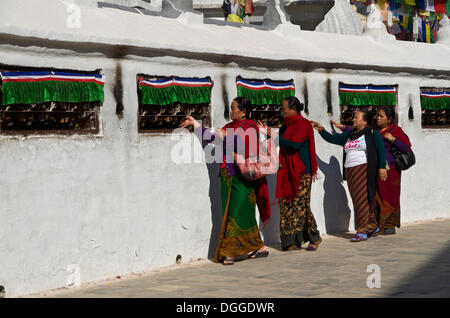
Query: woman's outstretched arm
[[200, 130], [338, 139]]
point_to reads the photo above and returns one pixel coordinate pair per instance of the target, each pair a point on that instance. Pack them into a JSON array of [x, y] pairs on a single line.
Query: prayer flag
[[421, 4], [429, 5], [439, 6]]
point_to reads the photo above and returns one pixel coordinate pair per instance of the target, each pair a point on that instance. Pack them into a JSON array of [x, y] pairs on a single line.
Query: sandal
[[228, 261], [389, 231], [292, 247], [374, 233], [257, 254], [359, 238], [314, 246]]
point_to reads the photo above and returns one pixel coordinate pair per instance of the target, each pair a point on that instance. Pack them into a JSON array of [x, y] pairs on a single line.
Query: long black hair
[[294, 103], [244, 104]]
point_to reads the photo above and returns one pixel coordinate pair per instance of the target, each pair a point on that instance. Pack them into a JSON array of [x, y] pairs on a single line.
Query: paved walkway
[[413, 263]]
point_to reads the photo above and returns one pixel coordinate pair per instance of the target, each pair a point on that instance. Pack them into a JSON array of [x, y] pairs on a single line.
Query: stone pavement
[[413, 263]]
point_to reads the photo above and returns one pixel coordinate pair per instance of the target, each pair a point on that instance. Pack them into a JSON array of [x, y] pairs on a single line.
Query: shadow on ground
[[432, 280], [345, 236]]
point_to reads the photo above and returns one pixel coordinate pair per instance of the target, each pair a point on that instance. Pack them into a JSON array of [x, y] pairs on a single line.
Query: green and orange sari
[[239, 234]]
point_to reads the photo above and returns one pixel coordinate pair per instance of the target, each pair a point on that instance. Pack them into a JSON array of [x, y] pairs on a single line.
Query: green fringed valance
[[370, 95], [182, 90], [264, 92], [435, 101], [40, 87], [264, 97], [366, 99]]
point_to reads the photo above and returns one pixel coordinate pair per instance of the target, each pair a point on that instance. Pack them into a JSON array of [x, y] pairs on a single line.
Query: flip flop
[[292, 247], [257, 254], [389, 231], [358, 238], [229, 260], [314, 246], [374, 233]]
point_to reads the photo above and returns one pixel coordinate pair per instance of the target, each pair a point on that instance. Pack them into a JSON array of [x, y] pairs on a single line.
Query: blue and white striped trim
[[435, 95], [264, 85], [366, 89], [49, 76], [179, 81]]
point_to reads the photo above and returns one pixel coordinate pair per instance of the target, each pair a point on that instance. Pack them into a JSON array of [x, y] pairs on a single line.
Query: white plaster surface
[[154, 5], [218, 3], [375, 26], [112, 26], [444, 31], [116, 204], [342, 19]]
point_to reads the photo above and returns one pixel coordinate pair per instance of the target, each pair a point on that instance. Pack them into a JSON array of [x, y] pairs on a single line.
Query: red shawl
[[261, 188], [397, 133], [298, 129]]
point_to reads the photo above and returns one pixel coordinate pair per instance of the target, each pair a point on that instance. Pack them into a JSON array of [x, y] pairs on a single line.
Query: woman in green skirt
[[239, 233]]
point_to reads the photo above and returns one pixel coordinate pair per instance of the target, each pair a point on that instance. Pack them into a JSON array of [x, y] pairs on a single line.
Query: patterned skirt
[[365, 214], [297, 222], [388, 200], [239, 234]]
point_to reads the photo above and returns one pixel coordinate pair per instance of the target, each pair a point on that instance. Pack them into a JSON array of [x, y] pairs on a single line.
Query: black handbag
[[403, 161]]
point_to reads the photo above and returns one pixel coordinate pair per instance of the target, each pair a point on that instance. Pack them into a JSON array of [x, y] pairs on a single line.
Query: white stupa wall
[[116, 203], [342, 18]]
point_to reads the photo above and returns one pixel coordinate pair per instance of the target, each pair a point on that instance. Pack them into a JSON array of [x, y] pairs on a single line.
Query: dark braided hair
[[294, 103], [244, 104]]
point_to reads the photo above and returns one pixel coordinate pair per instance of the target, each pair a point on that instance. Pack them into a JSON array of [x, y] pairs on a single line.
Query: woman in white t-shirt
[[364, 161]]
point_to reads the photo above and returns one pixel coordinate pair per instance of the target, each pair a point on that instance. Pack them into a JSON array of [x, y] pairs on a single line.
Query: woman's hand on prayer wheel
[[338, 125], [189, 121]]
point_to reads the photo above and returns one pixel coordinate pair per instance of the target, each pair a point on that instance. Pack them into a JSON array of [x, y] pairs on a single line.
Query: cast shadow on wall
[[214, 197], [271, 233], [335, 203]]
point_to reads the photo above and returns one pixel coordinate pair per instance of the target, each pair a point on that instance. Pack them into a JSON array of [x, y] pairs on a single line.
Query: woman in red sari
[[388, 194]]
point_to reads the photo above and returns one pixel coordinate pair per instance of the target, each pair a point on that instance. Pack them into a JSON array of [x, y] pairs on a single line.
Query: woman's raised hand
[[262, 126], [338, 125], [316, 125], [189, 121]]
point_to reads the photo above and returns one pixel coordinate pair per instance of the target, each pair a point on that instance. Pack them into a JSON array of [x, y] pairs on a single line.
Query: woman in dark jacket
[[388, 192], [298, 168], [364, 161]]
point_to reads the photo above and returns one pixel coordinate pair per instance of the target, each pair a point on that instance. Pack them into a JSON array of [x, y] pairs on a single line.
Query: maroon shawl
[[397, 133]]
